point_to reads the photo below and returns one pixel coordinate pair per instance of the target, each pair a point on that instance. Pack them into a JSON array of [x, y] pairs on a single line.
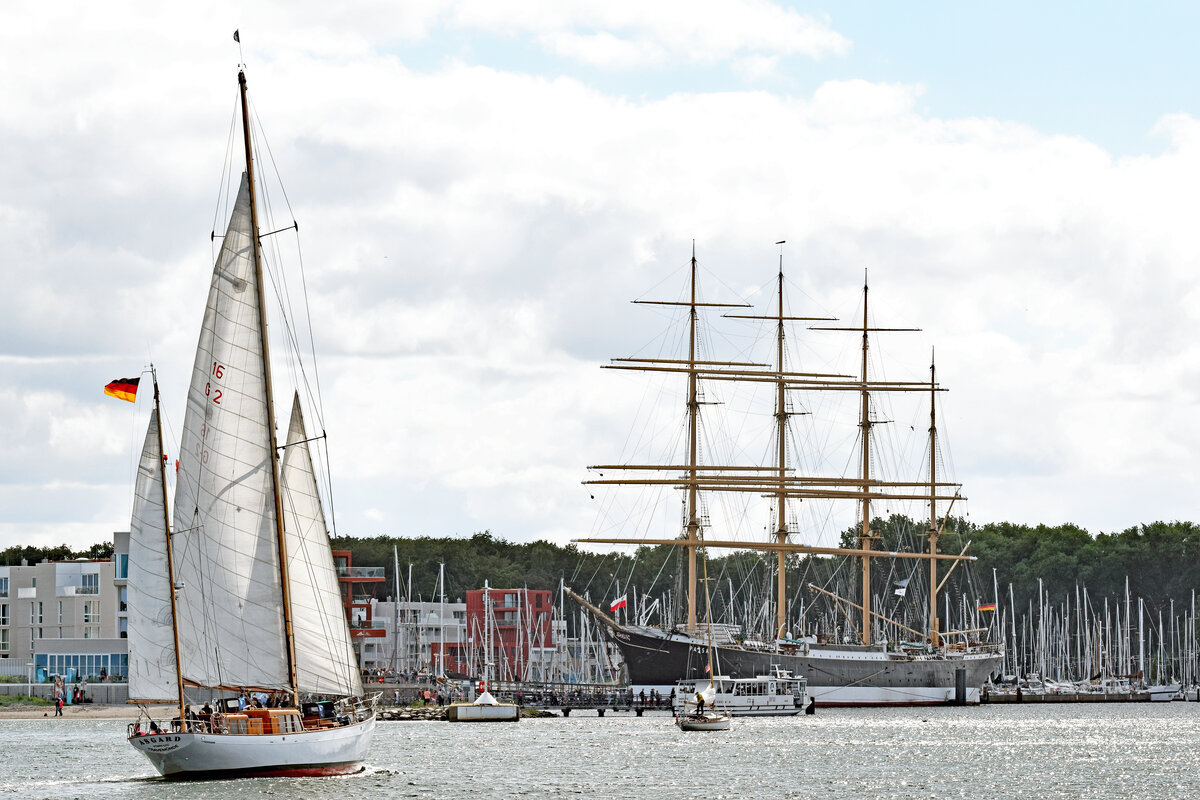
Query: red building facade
[[521, 622]]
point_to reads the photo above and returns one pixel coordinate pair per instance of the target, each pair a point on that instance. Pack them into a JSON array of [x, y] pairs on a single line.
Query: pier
[[561, 698]]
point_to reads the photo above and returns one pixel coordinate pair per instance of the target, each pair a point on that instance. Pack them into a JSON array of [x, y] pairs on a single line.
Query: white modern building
[[413, 636], [61, 618]]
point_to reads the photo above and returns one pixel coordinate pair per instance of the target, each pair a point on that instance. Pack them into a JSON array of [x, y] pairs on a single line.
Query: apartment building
[[60, 618]]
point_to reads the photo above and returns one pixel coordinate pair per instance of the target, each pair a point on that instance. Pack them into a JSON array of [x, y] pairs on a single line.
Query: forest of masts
[[1075, 638]]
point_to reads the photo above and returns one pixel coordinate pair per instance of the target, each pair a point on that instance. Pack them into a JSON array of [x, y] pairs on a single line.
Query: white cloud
[[473, 236], [627, 33]]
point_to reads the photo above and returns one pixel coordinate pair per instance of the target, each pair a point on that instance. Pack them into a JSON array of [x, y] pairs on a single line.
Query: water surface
[[1047, 751]]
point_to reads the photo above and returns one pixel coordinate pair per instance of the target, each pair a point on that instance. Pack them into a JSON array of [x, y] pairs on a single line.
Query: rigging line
[[302, 441], [223, 186], [304, 288]]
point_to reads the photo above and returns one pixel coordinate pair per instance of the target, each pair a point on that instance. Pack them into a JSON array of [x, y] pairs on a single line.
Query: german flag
[[987, 606], [123, 388]]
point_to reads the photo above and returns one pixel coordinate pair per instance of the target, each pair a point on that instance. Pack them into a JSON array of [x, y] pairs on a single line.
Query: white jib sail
[[325, 662], [230, 605], [148, 596]]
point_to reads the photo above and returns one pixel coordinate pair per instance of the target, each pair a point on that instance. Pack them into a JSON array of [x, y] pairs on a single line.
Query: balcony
[[361, 573]]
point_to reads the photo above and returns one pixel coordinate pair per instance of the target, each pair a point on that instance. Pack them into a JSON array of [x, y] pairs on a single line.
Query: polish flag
[[618, 603]]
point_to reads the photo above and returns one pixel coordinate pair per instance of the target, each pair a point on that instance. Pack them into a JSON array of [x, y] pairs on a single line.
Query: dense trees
[[1159, 559], [31, 554]]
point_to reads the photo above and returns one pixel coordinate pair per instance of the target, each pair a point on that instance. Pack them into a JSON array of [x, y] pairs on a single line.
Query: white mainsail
[[325, 662], [148, 596], [226, 550]]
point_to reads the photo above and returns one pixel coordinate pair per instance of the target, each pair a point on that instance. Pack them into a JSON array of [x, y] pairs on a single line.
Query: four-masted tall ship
[[932, 666], [237, 605]]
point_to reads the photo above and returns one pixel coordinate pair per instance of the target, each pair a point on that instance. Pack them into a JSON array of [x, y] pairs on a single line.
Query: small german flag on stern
[[987, 606], [123, 388]]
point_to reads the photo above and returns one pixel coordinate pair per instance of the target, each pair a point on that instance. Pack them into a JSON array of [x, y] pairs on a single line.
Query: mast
[[442, 621], [693, 525], [395, 608], [781, 424], [162, 473], [281, 536], [933, 522], [865, 537]]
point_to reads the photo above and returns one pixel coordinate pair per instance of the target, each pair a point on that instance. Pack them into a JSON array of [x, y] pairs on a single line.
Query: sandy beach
[[86, 711]]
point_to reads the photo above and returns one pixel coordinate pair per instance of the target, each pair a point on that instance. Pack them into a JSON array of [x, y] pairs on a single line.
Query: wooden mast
[[162, 474], [693, 525], [281, 538], [865, 537], [933, 521], [781, 424]]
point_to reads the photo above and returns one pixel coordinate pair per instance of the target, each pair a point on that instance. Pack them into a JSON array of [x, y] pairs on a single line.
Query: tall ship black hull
[[838, 675]]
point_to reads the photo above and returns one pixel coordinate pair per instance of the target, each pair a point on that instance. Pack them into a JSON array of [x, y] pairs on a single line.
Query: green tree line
[[1159, 560]]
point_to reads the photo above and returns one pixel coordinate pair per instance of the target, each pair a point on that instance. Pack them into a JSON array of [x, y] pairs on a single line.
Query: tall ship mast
[[862, 671]]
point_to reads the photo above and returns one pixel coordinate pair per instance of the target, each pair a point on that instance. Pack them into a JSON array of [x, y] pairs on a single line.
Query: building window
[[123, 628], [91, 612], [3, 613], [91, 583], [123, 600], [122, 566], [3, 587], [60, 612], [4, 640]]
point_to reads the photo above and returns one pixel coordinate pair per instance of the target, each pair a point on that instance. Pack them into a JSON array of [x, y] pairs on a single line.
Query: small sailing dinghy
[[239, 607], [700, 713]]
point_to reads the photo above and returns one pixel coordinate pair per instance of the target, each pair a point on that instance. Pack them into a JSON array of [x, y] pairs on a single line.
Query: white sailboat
[[256, 608], [702, 713]]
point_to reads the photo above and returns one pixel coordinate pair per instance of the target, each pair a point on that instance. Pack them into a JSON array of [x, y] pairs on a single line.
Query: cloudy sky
[[483, 187]]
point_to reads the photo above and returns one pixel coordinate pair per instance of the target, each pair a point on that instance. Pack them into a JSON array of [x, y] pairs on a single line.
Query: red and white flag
[[618, 603]]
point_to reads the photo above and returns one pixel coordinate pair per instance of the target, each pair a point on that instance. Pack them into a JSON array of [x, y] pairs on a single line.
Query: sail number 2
[[218, 371]]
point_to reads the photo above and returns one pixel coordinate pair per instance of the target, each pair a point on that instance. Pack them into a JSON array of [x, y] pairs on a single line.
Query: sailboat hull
[[194, 756], [838, 675]]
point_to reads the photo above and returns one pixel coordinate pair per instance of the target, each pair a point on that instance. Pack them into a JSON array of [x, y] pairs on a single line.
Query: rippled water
[[1081, 751]]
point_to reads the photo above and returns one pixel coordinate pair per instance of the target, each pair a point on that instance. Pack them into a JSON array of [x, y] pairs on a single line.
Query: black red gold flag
[[123, 388]]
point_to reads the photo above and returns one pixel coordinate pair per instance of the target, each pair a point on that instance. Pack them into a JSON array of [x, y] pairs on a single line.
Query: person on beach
[[58, 705]]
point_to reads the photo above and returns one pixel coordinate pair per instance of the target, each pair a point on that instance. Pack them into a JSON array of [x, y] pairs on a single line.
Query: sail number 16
[[218, 371]]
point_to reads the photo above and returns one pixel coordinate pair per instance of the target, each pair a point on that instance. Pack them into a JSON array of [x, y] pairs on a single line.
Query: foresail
[[325, 662], [148, 596], [225, 546]]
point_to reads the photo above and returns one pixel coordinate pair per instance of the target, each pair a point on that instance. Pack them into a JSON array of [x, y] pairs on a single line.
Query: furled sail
[[225, 546], [325, 662], [148, 596]]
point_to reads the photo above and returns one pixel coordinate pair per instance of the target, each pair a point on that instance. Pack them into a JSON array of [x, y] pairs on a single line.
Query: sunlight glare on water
[[1101, 751]]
